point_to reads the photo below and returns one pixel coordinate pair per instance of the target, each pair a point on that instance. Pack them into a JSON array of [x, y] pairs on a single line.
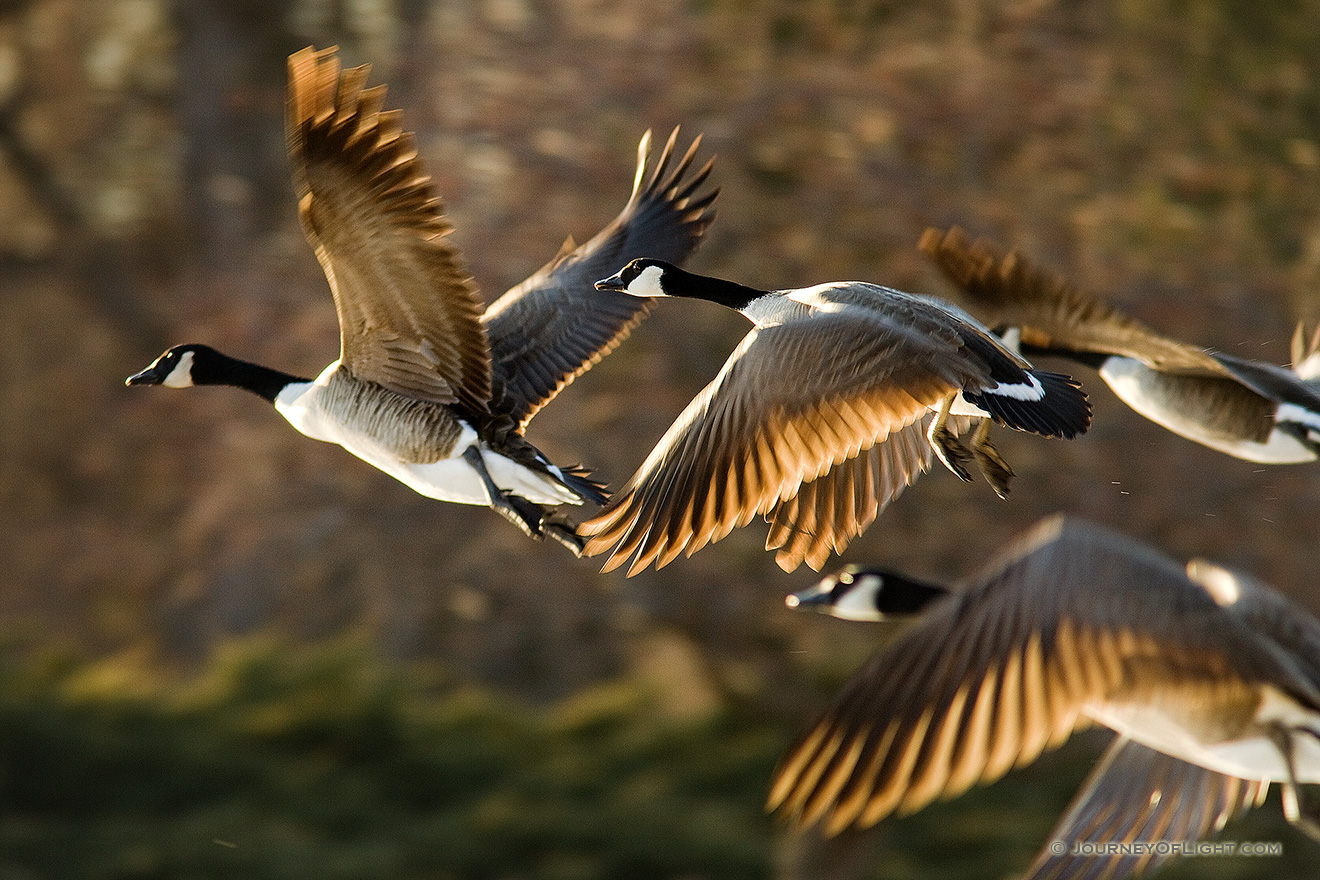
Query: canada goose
[[817, 418], [1248, 409], [1134, 794], [428, 388], [1073, 624]]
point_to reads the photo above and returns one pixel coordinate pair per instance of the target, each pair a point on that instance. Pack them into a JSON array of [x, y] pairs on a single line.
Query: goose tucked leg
[[526, 515], [947, 447], [996, 470], [1293, 809]]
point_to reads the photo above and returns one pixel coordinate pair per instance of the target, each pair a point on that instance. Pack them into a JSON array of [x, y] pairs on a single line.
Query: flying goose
[[1248, 409], [428, 387], [1134, 794], [1073, 624], [819, 418]]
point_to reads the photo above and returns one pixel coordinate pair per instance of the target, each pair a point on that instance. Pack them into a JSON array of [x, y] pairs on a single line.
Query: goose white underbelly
[[1249, 757], [453, 479], [448, 479], [1147, 391]]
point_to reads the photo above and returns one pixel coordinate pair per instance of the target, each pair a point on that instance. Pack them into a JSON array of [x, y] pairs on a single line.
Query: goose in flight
[[1252, 410], [1135, 794], [1072, 625], [429, 387], [820, 417]]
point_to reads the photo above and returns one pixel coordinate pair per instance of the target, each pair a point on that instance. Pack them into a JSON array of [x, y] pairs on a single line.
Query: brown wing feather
[[827, 513], [1008, 289], [792, 402], [994, 675], [409, 314], [1138, 794]]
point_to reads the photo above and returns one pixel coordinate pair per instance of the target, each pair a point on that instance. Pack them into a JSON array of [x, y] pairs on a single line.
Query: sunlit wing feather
[[409, 314], [1134, 795], [828, 512], [1007, 289]]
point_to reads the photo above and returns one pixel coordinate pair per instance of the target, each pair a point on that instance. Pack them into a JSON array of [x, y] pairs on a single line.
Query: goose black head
[[861, 593], [184, 366], [176, 368], [641, 277]]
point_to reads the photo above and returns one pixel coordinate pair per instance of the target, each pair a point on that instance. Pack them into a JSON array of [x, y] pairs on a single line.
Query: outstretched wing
[[1052, 312], [1137, 795], [409, 314], [555, 326]]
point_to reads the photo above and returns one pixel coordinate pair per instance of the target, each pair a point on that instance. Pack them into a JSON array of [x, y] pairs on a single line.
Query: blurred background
[[230, 651]]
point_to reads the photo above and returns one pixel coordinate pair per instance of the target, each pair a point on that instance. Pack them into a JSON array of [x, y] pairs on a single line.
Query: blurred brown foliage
[[1164, 154]]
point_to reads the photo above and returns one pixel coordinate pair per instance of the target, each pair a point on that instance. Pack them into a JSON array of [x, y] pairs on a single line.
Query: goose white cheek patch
[[1220, 583], [647, 283], [181, 375]]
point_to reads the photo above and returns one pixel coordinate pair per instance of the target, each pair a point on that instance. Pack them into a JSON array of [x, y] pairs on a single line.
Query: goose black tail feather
[[1062, 411], [579, 480]]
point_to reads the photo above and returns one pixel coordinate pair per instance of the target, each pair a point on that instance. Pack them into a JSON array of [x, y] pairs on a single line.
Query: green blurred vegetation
[[283, 761]]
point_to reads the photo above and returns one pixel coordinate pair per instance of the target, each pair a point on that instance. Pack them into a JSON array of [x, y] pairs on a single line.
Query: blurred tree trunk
[[230, 90]]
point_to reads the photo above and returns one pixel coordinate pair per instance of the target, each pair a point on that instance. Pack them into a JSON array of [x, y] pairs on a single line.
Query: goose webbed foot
[[539, 523], [560, 528], [530, 517], [996, 470], [948, 449], [951, 452]]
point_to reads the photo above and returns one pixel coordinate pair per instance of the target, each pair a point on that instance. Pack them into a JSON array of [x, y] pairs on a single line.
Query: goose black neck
[[679, 282], [1093, 359], [221, 369]]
